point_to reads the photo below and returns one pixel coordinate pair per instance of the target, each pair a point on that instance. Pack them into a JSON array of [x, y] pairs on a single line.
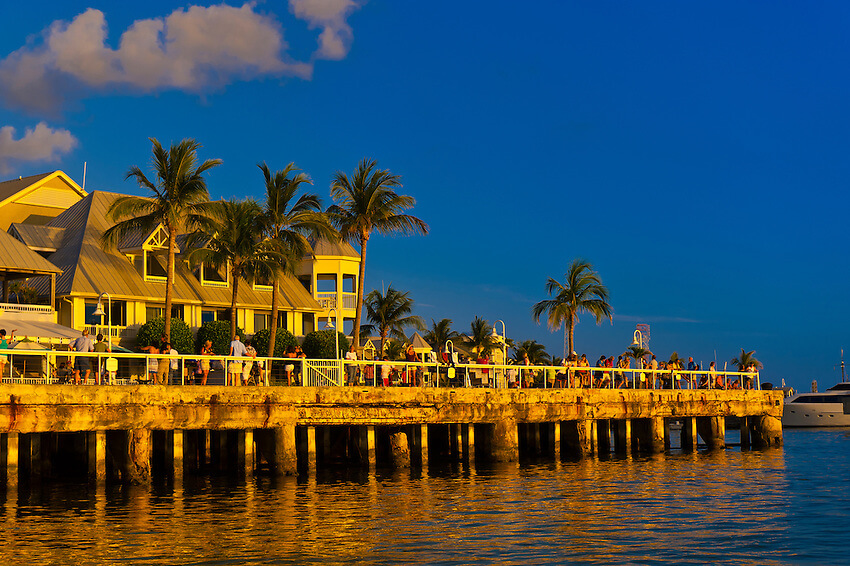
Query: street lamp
[[504, 341], [637, 340], [329, 325], [99, 312]]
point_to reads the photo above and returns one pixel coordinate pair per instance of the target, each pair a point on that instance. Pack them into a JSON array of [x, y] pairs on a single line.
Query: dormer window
[[209, 276], [155, 266], [263, 284]]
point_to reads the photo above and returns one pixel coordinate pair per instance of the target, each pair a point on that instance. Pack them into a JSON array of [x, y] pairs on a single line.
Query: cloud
[[39, 144], [193, 50], [330, 15]]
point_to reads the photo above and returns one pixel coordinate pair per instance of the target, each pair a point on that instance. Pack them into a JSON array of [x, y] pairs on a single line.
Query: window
[[305, 281], [119, 313], [155, 267], [263, 283], [157, 311], [210, 276], [262, 321], [208, 315]]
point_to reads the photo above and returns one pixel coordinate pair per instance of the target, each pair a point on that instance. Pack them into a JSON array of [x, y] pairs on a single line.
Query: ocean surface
[[777, 506]]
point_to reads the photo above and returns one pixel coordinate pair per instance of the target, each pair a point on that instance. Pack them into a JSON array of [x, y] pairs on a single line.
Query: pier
[[130, 433]]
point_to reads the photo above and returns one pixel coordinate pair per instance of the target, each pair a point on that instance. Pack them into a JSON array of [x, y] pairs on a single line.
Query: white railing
[[24, 308], [320, 373], [349, 301], [50, 366], [326, 300], [95, 329]]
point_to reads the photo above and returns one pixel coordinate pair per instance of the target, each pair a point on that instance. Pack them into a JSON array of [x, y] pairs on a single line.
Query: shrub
[[218, 332], [282, 341], [321, 344], [151, 331]]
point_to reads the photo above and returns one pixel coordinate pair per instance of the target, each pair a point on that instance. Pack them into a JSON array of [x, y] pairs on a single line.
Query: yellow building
[[330, 274], [133, 275]]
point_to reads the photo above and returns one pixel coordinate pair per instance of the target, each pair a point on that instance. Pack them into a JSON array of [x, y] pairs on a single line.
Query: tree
[[637, 353], [218, 332], [582, 291], [746, 360], [181, 335], [480, 339], [440, 333], [537, 354], [321, 344], [233, 239], [179, 199], [389, 314], [395, 350], [367, 203], [290, 220]]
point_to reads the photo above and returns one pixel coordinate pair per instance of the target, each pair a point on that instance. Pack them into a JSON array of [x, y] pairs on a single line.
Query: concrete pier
[[130, 433]]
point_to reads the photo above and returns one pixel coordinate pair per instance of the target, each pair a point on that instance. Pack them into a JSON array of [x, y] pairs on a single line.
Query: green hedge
[[151, 331], [283, 340], [321, 344], [217, 331]]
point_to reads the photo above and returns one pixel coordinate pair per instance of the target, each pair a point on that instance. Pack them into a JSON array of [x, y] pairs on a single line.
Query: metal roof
[[14, 186], [88, 270], [328, 248], [37, 237], [15, 257], [419, 343]]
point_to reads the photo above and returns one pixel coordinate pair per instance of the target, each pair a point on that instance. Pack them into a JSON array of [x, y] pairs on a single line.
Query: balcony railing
[[30, 309], [95, 329], [327, 300]]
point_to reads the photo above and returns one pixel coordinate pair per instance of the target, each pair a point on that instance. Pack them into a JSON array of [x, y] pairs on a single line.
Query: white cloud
[[193, 50], [330, 15], [40, 144]]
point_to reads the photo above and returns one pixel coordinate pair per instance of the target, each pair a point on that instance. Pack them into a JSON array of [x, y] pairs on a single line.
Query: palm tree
[[637, 353], [582, 291], [389, 314], [480, 339], [395, 350], [746, 360], [179, 199], [234, 240], [364, 203], [440, 333], [290, 220], [536, 351]]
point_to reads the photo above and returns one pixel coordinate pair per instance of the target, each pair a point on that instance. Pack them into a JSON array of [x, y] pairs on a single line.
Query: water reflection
[[729, 506]]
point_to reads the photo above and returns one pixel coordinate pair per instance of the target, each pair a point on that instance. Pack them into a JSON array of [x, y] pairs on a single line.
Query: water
[[783, 506]]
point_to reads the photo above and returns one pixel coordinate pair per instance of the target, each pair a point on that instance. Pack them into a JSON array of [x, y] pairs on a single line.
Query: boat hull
[[814, 415]]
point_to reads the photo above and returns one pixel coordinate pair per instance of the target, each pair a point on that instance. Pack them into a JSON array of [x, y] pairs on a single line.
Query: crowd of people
[[242, 368]]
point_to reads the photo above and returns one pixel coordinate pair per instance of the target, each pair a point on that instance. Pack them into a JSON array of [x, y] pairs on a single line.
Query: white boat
[[829, 408]]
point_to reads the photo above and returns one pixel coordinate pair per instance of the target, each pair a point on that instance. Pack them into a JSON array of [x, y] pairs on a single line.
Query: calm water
[[785, 506]]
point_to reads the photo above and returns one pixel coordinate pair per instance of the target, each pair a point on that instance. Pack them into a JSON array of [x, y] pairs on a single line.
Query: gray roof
[[15, 257], [88, 270], [10, 188], [330, 248], [418, 342]]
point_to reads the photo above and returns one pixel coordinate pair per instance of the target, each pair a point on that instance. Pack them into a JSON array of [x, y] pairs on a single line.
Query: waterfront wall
[[125, 428]]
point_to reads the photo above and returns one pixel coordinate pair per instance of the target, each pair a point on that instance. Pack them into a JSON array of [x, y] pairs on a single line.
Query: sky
[[695, 153]]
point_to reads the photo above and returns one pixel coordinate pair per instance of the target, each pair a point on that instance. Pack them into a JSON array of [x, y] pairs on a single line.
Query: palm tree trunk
[[571, 328], [364, 239], [273, 329], [169, 281], [235, 275]]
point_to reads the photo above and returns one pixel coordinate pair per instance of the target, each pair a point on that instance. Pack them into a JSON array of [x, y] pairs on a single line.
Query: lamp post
[[637, 339], [329, 325], [99, 312], [504, 342]]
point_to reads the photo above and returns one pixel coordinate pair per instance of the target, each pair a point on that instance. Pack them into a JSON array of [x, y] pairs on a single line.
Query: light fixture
[[99, 310]]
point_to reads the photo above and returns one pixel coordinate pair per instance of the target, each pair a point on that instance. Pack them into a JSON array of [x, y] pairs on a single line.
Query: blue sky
[[696, 154]]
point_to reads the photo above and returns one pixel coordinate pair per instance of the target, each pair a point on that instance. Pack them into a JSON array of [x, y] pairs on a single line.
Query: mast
[[842, 366]]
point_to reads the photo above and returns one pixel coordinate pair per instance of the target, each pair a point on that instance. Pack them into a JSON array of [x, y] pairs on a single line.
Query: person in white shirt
[[351, 369]]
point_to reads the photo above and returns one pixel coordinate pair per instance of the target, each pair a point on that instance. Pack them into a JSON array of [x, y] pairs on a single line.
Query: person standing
[[5, 341], [351, 369], [82, 365], [101, 347], [250, 353], [206, 350], [175, 366], [237, 349]]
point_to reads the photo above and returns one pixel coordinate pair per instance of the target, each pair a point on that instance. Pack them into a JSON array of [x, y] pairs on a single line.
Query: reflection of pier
[[126, 432]]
